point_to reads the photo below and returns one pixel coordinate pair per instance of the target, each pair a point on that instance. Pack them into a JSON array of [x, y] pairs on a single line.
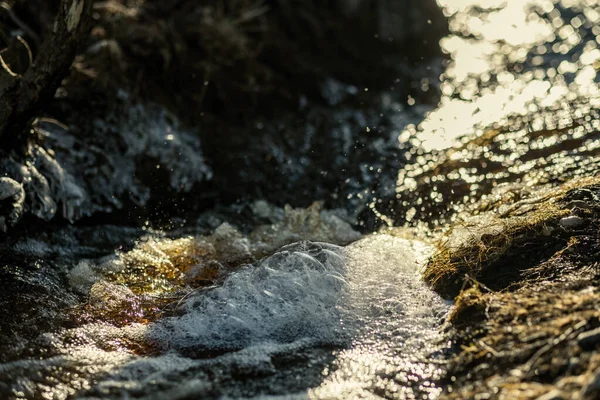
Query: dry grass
[[526, 289], [511, 244], [525, 344], [496, 248]]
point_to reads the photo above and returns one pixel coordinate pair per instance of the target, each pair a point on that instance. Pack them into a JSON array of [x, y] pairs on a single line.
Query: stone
[[8, 188], [12, 202], [572, 222], [589, 339]]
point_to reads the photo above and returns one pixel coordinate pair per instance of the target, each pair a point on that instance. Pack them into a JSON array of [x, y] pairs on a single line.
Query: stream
[[258, 301]]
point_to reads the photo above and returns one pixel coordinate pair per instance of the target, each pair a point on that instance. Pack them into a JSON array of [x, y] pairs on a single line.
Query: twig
[[566, 335], [19, 22], [488, 348], [7, 68], [29, 52]]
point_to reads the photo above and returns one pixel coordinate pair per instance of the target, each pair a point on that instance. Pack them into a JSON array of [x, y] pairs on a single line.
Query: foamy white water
[[367, 300], [395, 319], [313, 320], [290, 295]]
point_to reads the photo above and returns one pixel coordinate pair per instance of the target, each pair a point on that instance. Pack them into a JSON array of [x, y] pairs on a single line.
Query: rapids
[[315, 319], [297, 303]]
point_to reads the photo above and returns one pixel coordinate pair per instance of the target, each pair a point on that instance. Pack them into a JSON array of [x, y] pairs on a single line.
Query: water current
[[305, 306]]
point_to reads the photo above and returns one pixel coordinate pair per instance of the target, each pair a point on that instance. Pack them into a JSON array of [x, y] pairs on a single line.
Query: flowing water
[[300, 306], [313, 320], [519, 109]]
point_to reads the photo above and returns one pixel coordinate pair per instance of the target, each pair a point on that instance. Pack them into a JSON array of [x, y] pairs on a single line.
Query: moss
[[498, 250], [470, 306], [520, 337]]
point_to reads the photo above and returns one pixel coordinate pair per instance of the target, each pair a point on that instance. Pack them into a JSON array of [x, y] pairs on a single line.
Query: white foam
[[290, 295], [311, 290], [395, 319], [368, 297]]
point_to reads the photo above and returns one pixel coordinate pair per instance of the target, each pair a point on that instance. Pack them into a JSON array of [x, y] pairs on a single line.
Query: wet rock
[[125, 158], [579, 205], [8, 188], [572, 222], [345, 157], [125, 154], [589, 339], [32, 301], [12, 197], [266, 211], [130, 156]]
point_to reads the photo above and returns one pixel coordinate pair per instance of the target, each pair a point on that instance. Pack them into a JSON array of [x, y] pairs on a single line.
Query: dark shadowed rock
[[589, 339], [232, 71]]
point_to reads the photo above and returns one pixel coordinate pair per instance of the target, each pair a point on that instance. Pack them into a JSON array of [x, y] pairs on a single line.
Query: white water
[[366, 299], [312, 321], [395, 319], [291, 295]]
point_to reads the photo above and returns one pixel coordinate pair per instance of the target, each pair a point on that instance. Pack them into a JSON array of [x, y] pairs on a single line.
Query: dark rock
[[572, 222], [589, 339], [124, 158], [12, 197], [119, 152]]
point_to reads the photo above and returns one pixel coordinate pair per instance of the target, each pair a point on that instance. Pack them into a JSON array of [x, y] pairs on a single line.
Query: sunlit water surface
[[315, 320], [518, 113]]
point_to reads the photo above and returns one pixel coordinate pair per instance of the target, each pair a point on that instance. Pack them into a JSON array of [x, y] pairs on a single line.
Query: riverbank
[[525, 282], [198, 213]]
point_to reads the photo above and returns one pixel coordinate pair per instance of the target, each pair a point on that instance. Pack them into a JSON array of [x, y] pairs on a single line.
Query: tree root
[[21, 100]]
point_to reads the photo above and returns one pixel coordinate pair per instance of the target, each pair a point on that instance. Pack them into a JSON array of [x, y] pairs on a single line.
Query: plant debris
[[527, 293]]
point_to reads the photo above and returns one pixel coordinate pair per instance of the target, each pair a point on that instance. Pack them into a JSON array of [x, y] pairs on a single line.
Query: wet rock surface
[[75, 174], [345, 156], [155, 121]]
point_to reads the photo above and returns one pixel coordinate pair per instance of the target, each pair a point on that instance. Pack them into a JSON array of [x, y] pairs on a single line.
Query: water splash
[[288, 296], [312, 320]]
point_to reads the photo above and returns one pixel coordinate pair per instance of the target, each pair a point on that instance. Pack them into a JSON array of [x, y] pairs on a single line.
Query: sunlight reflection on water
[[518, 110], [511, 58]]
